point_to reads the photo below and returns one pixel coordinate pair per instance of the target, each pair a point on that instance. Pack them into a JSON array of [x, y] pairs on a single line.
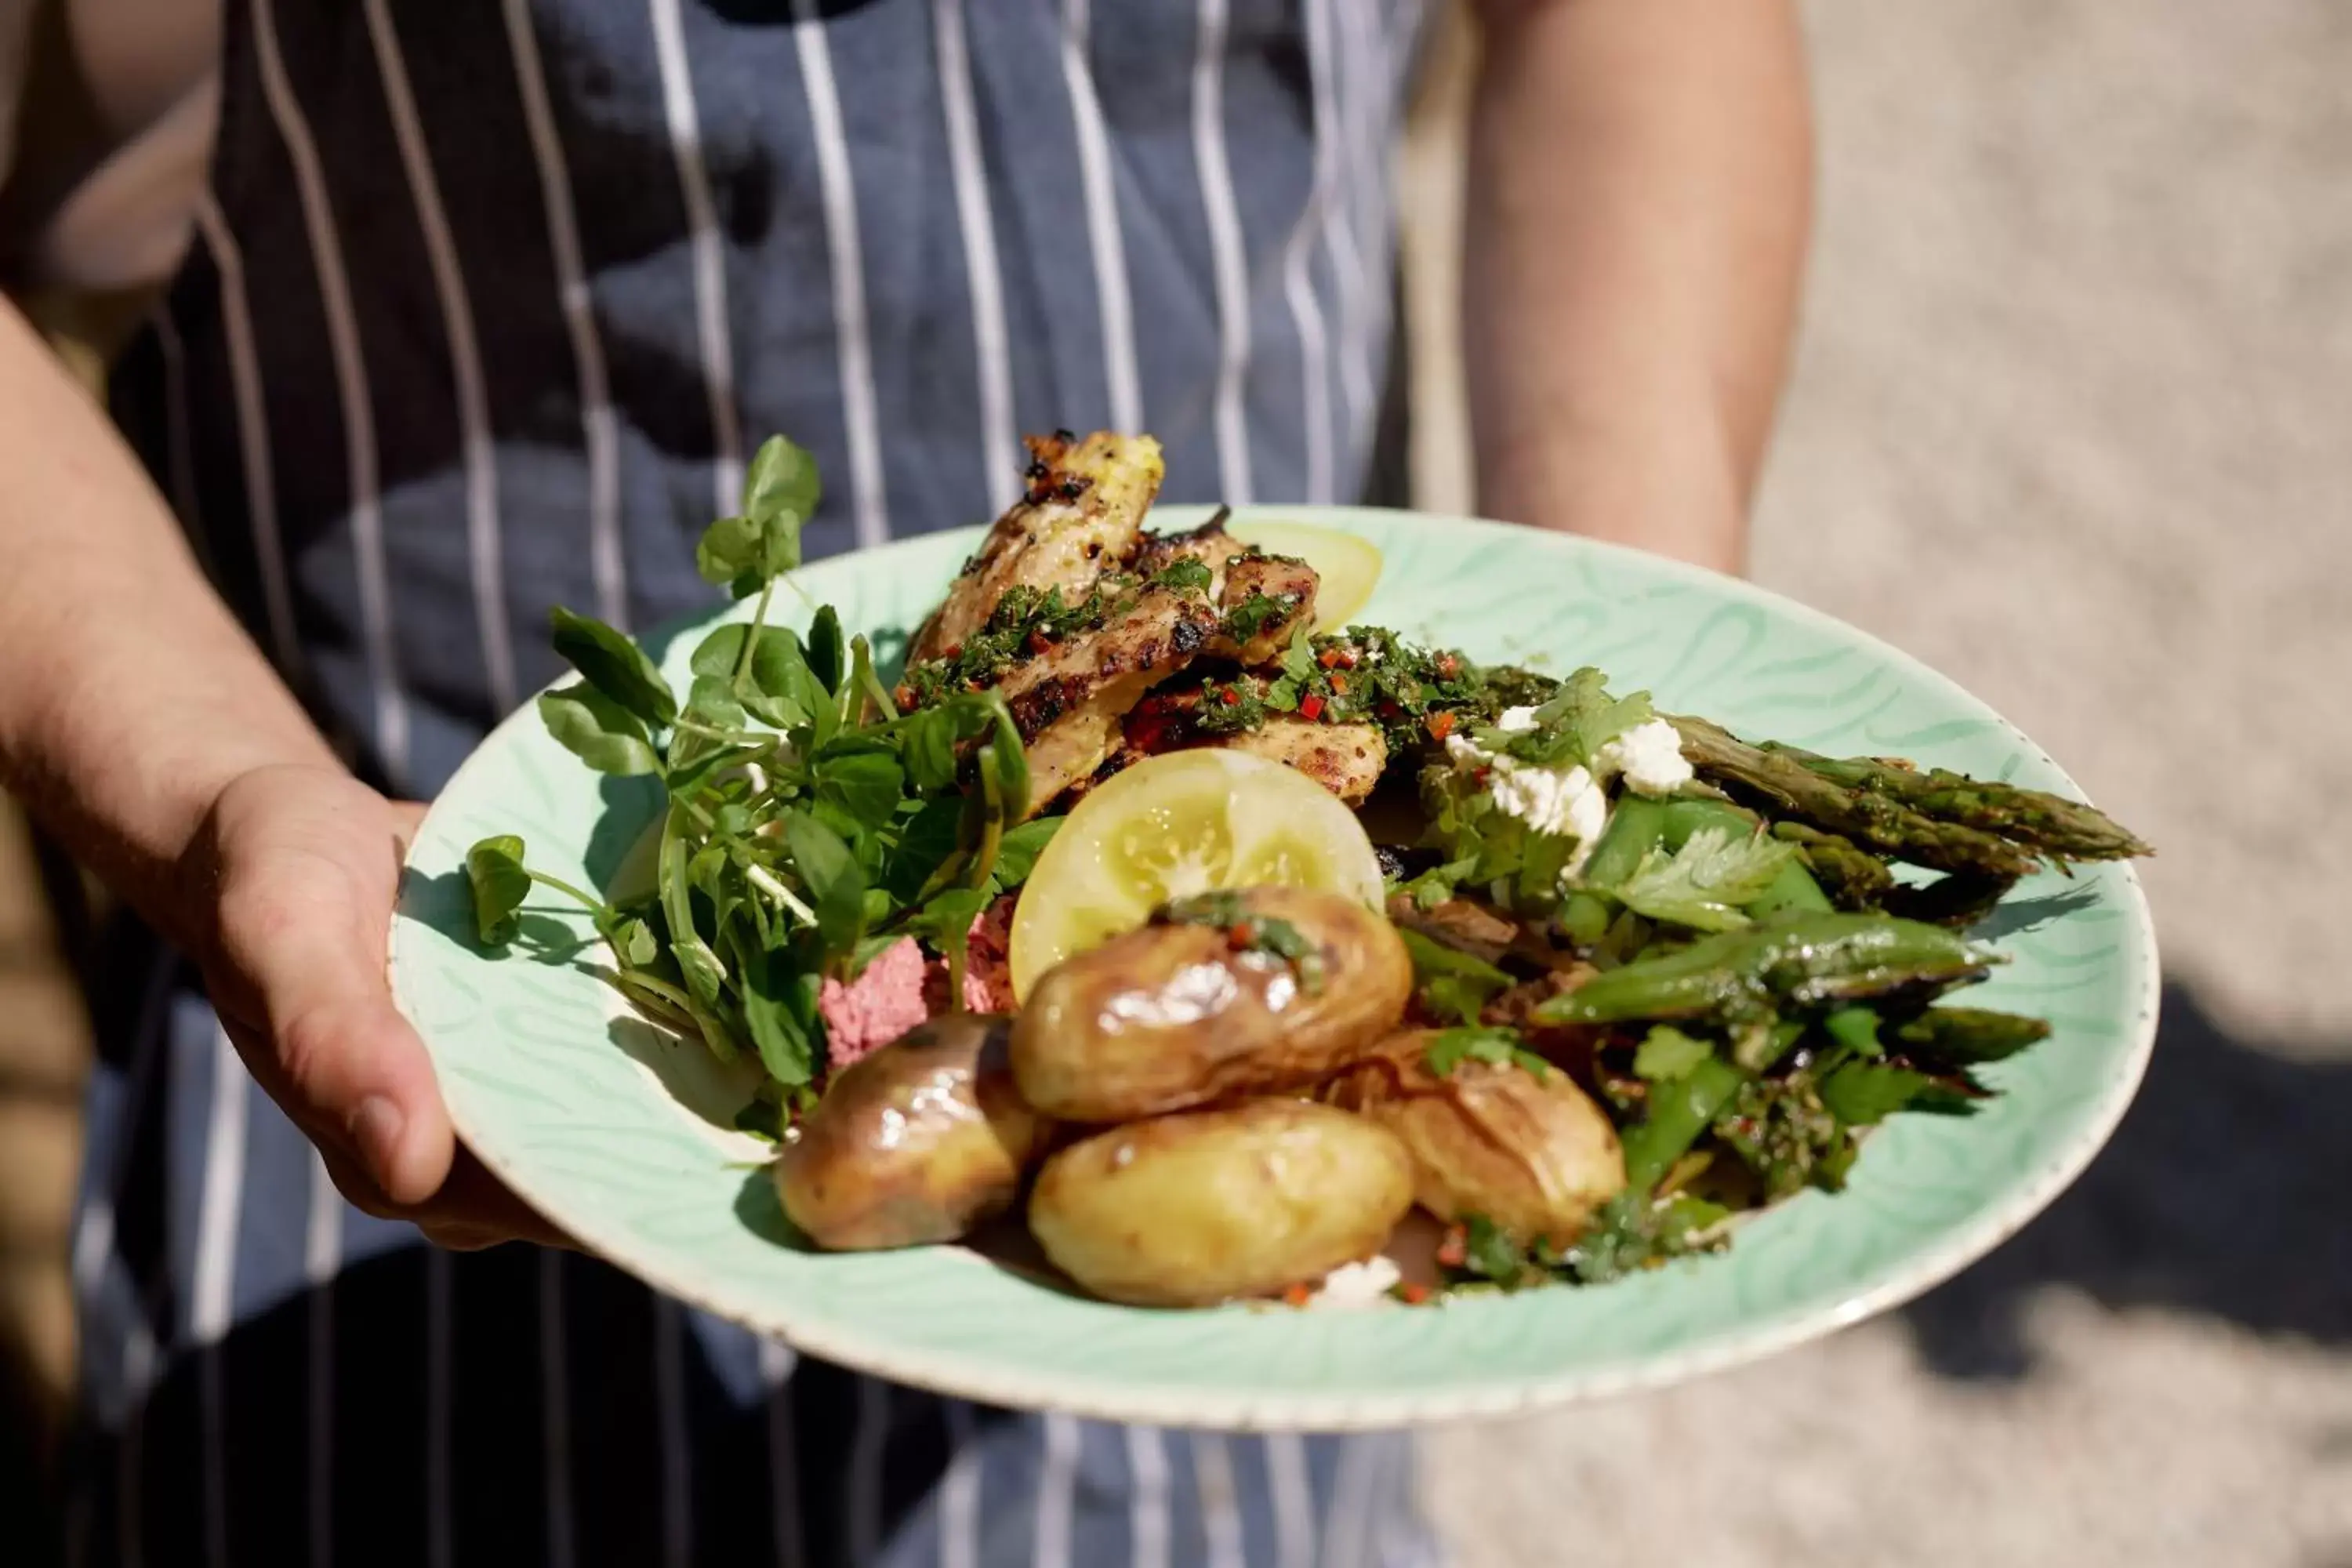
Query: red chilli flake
[[1299, 1295], [1439, 726], [1414, 1294], [1348, 657], [1310, 707], [1038, 641], [1454, 1250], [1241, 936], [1449, 667], [1230, 698]]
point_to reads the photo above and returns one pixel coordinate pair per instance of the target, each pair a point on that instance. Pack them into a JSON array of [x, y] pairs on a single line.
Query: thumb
[[308, 879]]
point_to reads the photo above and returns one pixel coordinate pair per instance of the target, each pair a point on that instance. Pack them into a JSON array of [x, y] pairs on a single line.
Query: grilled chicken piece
[[1289, 587], [1067, 701], [1345, 759], [1084, 503]]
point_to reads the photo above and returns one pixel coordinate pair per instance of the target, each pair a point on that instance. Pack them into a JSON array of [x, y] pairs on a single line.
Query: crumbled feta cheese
[[1650, 755], [1354, 1286], [1516, 719], [1568, 801]]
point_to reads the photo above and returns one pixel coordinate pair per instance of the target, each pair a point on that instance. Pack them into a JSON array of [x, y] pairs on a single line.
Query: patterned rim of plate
[[1253, 1369]]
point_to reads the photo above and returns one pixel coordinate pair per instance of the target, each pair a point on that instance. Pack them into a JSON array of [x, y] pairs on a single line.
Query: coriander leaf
[[835, 882], [598, 730], [1184, 575], [615, 665], [1449, 1048], [1451, 981], [866, 784], [1863, 1094], [1667, 1054], [1703, 884], [1579, 720], [828, 654], [495, 873], [1017, 852]]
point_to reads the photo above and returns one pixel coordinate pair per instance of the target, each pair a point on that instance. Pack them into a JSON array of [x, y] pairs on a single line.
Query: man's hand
[[289, 888]]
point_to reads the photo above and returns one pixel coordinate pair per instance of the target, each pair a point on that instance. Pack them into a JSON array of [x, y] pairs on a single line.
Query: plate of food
[[1270, 968]]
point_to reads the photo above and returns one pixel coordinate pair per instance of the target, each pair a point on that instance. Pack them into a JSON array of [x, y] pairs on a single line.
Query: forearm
[[129, 696], [1638, 197]]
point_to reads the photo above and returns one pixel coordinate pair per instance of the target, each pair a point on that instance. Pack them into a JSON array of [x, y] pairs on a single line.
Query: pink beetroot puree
[[900, 988]]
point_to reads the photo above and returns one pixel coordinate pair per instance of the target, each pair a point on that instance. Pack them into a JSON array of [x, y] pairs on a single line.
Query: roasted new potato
[[1533, 1154], [1198, 1006], [1190, 1210], [917, 1142]]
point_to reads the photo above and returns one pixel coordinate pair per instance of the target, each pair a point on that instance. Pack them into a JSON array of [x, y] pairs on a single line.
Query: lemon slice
[[1349, 567], [1175, 825]]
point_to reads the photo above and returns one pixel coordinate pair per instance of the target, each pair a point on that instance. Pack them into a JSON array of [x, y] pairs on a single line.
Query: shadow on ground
[[2222, 1193]]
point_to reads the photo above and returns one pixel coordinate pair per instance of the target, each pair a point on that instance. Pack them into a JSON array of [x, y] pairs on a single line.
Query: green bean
[[1635, 827], [1681, 1109]]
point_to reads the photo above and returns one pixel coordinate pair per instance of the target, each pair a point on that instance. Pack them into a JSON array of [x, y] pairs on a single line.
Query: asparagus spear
[[1939, 819], [1740, 977], [1851, 876], [1964, 1037]]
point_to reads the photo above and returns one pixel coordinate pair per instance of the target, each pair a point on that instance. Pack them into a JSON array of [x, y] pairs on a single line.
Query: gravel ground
[[2069, 424]]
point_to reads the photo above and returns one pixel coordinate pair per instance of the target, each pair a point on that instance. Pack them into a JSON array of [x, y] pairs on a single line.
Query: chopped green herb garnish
[[1246, 930]]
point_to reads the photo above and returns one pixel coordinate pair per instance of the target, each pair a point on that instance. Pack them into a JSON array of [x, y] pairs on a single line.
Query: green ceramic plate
[[623, 1139]]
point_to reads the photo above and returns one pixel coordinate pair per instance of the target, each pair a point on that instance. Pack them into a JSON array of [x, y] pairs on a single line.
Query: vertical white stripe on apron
[[352, 389], [1347, 1528], [709, 254], [252, 433], [999, 449], [322, 1256], [1057, 1481], [213, 1280], [484, 558], [1103, 233], [1220, 1518], [1337, 84], [1230, 265], [777, 1363], [862, 1494], [1293, 1500], [1148, 1522], [846, 258], [438, 1397], [677, 1456], [555, 1411], [960, 1492], [605, 563], [93, 1241]]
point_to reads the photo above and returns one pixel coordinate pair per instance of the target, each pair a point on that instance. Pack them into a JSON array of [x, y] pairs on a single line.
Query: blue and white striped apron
[[487, 303]]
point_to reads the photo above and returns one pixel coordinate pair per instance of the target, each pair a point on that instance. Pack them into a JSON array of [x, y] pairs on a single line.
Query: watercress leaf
[[494, 872], [927, 745], [781, 480], [1666, 1054], [598, 730], [828, 652], [689, 779], [711, 701], [779, 1011], [633, 941], [615, 665], [925, 842], [1703, 884], [1017, 851], [728, 549], [866, 784], [835, 882]]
